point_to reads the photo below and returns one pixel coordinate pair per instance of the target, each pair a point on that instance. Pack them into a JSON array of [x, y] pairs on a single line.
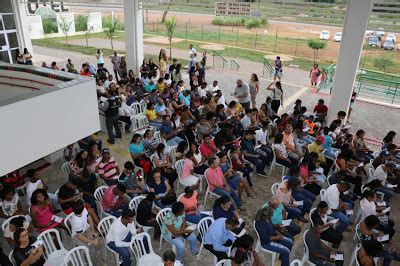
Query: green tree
[[164, 16], [170, 24], [65, 26], [110, 28], [81, 24], [316, 45], [382, 63]]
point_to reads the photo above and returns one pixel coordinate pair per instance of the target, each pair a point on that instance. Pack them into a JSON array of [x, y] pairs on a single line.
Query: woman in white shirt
[[100, 57], [368, 206]]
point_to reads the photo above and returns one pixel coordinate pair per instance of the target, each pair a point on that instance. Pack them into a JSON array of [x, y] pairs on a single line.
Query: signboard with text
[[33, 5], [232, 9]]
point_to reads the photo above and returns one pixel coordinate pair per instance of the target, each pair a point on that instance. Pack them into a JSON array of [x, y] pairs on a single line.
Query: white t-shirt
[[380, 174], [202, 92], [9, 234], [221, 100], [192, 54], [246, 122], [30, 188], [212, 88], [367, 208], [332, 197], [79, 224], [10, 207], [261, 137]]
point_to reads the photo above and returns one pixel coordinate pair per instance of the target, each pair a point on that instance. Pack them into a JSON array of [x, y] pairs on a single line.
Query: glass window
[[4, 57], [14, 55], [2, 40], [12, 40], [1, 24], [9, 22], [6, 6]]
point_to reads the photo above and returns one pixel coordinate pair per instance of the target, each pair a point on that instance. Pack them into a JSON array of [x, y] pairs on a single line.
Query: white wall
[[39, 126]]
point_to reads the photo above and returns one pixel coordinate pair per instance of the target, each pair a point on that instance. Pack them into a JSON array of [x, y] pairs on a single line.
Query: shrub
[[107, 21], [228, 21], [252, 23], [382, 63], [81, 23], [49, 25], [316, 45]]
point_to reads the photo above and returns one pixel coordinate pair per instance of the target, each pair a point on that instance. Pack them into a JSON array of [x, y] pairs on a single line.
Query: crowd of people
[[228, 145]]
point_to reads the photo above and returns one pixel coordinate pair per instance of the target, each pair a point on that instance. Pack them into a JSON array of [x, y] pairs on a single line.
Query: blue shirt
[[184, 99], [277, 217], [217, 235], [265, 230], [218, 212], [159, 108], [328, 142], [166, 128], [136, 148]]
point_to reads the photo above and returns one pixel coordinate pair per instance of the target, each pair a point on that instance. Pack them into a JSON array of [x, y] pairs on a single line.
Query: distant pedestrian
[[314, 74], [116, 60], [100, 57], [277, 96], [27, 57], [353, 99], [254, 85], [123, 70], [278, 68], [242, 93], [192, 56]]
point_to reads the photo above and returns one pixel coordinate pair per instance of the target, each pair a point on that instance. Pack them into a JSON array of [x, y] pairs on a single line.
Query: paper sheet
[[337, 256], [381, 203], [386, 210], [286, 222], [383, 238], [333, 221], [298, 203], [192, 227], [56, 219], [346, 192], [391, 186], [349, 212]]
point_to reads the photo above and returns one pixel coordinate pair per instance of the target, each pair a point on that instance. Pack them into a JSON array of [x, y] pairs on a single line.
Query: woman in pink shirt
[[187, 178], [189, 201]]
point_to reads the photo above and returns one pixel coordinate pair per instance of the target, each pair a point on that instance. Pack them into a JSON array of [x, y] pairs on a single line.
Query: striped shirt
[[108, 169]]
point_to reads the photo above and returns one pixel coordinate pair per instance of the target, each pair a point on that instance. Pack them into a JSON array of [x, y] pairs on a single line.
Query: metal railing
[[234, 65], [268, 70], [329, 73], [219, 61]]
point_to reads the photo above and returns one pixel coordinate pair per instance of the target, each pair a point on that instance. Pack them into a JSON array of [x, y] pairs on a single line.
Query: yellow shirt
[[239, 108], [151, 114], [160, 87], [314, 147]]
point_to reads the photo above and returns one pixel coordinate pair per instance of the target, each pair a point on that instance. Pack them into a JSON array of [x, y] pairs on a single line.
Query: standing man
[[192, 56], [278, 68], [116, 60], [242, 93], [111, 107]]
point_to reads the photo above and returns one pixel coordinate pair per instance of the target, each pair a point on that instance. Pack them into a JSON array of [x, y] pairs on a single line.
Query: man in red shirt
[[207, 147], [321, 110]]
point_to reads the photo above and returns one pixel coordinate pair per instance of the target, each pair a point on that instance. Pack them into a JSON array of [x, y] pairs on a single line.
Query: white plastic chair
[[137, 108], [322, 194], [98, 195], [52, 254], [306, 256], [208, 191], [354, 256], [160, 220], [5, 224], [259, 247], [139, 124], [202, 227], [68, 225], [11, 258], [139, 250], [157, 136], [103, 227], [274, 164], [133, 205], [66, 168], [78, 256], [274, 188], [224, 263], [296, 262]]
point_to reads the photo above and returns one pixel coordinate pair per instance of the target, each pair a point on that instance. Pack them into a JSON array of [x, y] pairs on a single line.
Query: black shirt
[[88, 185], [21, 254], [66, 193], [143, 214]]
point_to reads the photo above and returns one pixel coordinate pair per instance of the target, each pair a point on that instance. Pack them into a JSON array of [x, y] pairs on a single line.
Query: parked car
[[337, 37], [380, 32], [388, 45], [391, 37], [324, 35], [369, 32], [373, 41]]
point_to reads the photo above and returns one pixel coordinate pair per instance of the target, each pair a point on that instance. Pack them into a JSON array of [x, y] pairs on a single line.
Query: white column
[[21, 21], [133, 19], [357, 16]]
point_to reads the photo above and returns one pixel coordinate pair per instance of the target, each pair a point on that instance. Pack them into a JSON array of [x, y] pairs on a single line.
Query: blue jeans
[[260, 162], [267, 150], [124, 252], [232, 194], [155, 124], [344, 220], [293, 213], [302, 194], [388, 193], [194, 218], [162, 206], [179, 243], [331, 152], [246, 171], [307, 203], [234, 181], [282, 247], [174, 141], [118, 213]]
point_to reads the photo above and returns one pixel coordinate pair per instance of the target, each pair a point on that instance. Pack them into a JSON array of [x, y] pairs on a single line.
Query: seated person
[[108, 169], [317, 147], [138, 154], [26, 251], [88, 185], [309, 181], [160, 187], [281, 153], [16, 222], [223, 208], [68, 194], [258, 158], [83, 229], [298, 190], [120, 234], [146, 214], [369, 207], [288, 141], [191, 204], [35, 182], [270, 238], [284, 195], [219, 185], [239, 164], [175, 231], [372, 227], [321, 110], [152, 117], [329, 233], [242, 252], [369, 250], [114, 201], [163, 161], [207, 147], [381, 173], [133, 182], [169, 133], [188, 178], [337, 206], [9, 204], [278, 216], [219, 237], [319, 253]]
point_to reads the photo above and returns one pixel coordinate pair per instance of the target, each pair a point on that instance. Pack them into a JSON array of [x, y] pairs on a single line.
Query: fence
[[220, 62]]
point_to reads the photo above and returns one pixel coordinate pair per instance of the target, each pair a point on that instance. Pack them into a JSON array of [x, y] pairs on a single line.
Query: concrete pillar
[[21, 21], [355, 24], [133, 18]]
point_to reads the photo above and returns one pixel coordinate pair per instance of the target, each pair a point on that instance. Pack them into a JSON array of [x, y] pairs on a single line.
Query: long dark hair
[[35, 193], [243, 245], [17, 235], [279, 86], [221, 200], [159, 149]]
